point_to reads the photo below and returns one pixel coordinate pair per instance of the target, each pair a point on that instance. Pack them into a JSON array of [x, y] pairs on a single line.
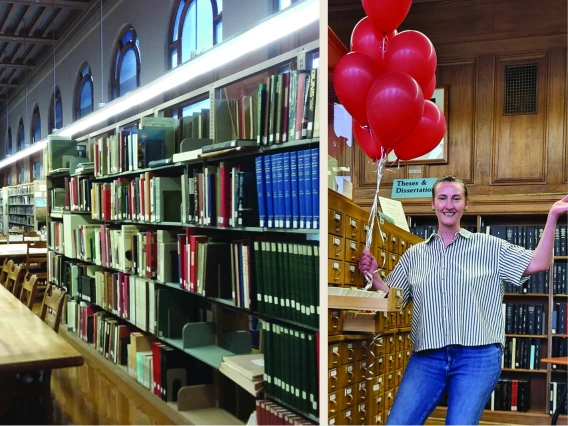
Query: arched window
[[10, 179], [9, 143], [195, 26], [36, 125], [21, 135], [22, 177], [84, 100], [37, 170], [126, 66], [55, 119]]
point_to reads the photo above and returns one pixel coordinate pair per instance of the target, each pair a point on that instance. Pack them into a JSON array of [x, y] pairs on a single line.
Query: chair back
[[29, 288], [34, 260], [6, 266], [52, 306], [31, 234], [14, 279]]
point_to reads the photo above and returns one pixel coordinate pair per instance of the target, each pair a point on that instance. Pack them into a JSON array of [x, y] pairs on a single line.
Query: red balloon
[[366, 39], [367, 141], [429, 89], [353, 76], [391, 35], [394, 106], [386, 15], [413, 53], [425, 136]]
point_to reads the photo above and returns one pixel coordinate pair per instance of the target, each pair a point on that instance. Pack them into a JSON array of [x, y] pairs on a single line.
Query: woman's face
[[449, 203]]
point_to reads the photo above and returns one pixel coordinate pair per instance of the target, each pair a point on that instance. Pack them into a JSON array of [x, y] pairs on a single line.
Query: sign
[[394, 210], [412, 188]]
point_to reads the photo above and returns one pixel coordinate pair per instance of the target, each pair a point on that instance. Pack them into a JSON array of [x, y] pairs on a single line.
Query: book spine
[[260, 186], [268, 191]]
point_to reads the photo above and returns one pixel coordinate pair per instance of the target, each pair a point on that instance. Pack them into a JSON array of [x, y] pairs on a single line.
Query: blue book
[[259, 162], [268, 191], [315, 187], [274, 163], [308, 188], [301, 190], [279, 193], [294, 191], [287, 190]]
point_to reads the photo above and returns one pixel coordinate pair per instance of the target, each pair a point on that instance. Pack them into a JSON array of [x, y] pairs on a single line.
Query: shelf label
[[412, 188]]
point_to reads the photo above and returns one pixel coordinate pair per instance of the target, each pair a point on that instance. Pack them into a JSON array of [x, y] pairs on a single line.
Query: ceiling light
[[38, 146]]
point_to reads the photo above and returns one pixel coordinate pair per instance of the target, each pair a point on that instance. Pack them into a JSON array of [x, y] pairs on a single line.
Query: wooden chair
[[6, 267], [31, 234], [14, 280], [29, 288], [38, 384], [37, 264]]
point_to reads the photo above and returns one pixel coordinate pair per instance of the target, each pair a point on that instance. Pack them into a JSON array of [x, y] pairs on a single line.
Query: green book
[[258, 277]]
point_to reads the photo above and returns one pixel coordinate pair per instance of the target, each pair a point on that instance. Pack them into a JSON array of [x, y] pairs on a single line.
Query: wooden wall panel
[[460, 79], [519, 142]]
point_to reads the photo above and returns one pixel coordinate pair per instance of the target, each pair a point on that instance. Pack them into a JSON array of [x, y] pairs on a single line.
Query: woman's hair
[[449, 178]]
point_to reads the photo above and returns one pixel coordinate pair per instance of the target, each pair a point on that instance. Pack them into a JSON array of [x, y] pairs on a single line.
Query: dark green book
[[258, 277]]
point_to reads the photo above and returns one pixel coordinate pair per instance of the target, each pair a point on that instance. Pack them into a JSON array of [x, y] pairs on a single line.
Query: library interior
[[165, 223]]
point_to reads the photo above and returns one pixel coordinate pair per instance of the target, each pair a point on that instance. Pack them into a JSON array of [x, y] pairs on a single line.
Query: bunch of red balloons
[[386, 81]]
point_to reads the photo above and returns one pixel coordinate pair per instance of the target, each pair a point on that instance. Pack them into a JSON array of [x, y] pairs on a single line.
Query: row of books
[[292, 378], [220, 195], [195, 126], [558, 320], [525, 318], [153, 364], [556, 391], [522, 353], [559, 278], [287, 277], [425, 232], [509, 395], [286, 107], [538, 283], [23, 210], [559, 349], [288, 189], [135, 149], [145, 198], [271, 413]]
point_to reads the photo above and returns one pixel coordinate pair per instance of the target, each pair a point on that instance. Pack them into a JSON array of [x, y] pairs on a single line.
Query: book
[[219, 146]]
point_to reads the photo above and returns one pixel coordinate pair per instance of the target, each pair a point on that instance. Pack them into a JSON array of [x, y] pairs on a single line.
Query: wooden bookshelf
[[531, 417]]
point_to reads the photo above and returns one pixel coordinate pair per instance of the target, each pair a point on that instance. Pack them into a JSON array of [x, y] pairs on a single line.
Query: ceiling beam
[[24, 39], [66, 4], [6, 64]]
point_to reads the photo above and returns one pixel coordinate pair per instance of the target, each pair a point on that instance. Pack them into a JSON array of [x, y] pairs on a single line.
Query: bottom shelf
[[531, 417], [204, 416]]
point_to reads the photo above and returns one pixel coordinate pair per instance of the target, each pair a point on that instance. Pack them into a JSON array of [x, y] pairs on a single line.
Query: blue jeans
[[468, 373]]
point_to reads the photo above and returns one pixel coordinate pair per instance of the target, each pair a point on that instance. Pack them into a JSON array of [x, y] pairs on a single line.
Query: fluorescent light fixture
[[275, 27], [32, 149]]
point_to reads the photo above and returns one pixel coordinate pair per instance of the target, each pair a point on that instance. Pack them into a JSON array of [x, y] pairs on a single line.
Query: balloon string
[[374, 217]]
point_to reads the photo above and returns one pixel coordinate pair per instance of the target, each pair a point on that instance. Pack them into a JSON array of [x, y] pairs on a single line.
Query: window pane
[[204, 25], [178, 17], [283, 4], [127, 37], [85, 71], [86, 99], [188, 42], [219, 31], [219, 6], [37, 170], [37, 131], [58, 115], [127, 78], [174, 59], [195, 107], [22, 175]]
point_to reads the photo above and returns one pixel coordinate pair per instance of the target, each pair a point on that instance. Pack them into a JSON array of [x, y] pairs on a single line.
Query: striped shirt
[[458, 290]]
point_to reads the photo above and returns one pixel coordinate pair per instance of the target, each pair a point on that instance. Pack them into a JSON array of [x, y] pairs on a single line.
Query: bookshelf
[[545, 291], [4, 210], [187, 253], [26, 206]]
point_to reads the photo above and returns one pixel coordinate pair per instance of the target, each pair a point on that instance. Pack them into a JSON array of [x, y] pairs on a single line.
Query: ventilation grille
[[520, 89]]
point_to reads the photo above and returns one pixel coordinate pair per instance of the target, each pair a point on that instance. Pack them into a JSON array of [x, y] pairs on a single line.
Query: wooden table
[[562, 360], [27, 343], [18, 251]]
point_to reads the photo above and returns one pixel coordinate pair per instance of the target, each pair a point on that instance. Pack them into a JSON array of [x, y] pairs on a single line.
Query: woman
[[455, 279]]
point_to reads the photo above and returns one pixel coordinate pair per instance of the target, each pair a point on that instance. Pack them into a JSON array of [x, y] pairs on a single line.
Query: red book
[[141, 199], [182, 243], [151, 254], [514, 393], [156, 368], [302, 89], [193, 252], [224, 195], [285, 107]]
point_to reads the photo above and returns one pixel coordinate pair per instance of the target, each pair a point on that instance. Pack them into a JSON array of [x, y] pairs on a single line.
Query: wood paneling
[[517, 163], [519, 141]]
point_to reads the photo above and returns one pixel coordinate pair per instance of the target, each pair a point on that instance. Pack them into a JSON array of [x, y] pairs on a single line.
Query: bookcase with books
[[188, 241], [26, 206], [4, 210], [368, 333], [534, 315]]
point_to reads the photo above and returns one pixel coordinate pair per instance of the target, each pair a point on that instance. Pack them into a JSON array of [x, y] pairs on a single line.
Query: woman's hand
[[369, 267]]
